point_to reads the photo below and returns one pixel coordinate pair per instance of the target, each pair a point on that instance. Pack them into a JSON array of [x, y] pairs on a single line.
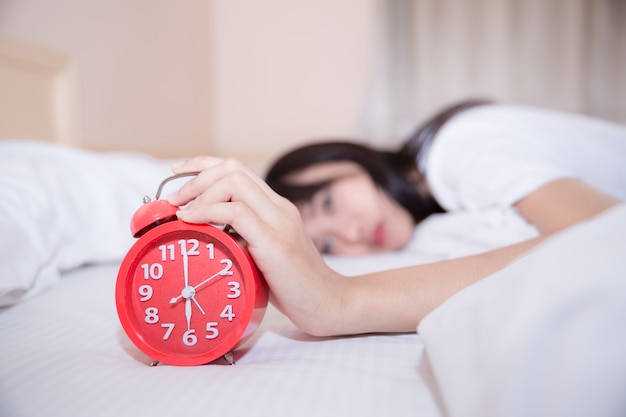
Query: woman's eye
[[327, 202]]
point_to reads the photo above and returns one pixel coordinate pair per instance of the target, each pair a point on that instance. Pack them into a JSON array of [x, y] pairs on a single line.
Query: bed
[[544, 337]]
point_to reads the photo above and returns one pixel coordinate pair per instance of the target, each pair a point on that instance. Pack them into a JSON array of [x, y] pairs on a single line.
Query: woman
[[355, 200], [394, 174]]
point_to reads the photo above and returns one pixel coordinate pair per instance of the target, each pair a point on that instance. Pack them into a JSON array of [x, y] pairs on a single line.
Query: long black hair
[[394, 171]]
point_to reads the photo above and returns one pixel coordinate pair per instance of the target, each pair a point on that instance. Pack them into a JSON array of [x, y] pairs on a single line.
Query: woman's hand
[[227, 192]]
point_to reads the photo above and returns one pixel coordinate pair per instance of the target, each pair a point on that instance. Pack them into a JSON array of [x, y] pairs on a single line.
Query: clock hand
[[186, 268], [222, 272], [197, 305], [188, 312], [189, 293]]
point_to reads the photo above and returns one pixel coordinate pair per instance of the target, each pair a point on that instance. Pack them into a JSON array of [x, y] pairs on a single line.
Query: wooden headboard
[[38, 98]]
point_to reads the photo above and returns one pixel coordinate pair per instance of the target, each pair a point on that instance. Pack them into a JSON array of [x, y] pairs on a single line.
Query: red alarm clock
[[187, 294]]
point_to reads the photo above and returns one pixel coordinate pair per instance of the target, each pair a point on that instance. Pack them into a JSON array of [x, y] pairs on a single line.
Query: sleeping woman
[[555, 169]]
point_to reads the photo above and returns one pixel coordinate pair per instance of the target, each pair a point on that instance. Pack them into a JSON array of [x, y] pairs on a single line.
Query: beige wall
[[37, 93], [251, 78], [177, 78], [287, 71], [141, 67]]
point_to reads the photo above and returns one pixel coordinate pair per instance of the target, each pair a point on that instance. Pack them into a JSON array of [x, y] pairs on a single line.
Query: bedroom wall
[[228, 77], [253, 78], [141, 68], [286, 72]]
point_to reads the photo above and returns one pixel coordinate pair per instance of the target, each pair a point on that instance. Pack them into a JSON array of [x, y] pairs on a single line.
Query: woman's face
[[352, 215]]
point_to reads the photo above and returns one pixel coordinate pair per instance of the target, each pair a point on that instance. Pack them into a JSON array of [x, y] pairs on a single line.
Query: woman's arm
[[561, 203], [397, 300], [319, 300]]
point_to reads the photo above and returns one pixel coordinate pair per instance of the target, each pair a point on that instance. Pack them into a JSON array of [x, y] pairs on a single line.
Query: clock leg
[[154, 363], [230, 358]]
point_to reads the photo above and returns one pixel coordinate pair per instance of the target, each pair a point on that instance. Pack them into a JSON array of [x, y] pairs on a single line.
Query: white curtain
[[563, 54]]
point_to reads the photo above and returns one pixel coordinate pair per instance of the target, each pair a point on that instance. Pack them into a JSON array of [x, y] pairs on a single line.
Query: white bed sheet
[[63, 353]]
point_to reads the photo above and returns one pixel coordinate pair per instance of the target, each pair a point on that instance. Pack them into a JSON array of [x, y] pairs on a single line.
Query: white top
[[492, 156]]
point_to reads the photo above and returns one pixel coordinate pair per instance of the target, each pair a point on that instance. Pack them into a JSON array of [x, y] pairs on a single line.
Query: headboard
[[38, 99]]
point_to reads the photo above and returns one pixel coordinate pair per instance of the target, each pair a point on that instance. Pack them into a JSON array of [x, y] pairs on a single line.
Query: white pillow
[[62, 207], [545, 336]]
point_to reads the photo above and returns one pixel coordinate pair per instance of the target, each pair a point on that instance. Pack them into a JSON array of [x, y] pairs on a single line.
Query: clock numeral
[[226, 270], [146, 292], [189, 338], [154, 271], [152, 315], [227, 313], [164, 250], [168, 332], [194, 247], [235, 292], [211, 328], [211, 248]]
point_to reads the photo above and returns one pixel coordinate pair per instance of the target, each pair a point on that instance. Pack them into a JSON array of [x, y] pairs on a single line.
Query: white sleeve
[[476, 166]]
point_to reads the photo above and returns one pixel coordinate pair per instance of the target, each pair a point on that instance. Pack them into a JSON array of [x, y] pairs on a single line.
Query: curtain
[[563, 54]]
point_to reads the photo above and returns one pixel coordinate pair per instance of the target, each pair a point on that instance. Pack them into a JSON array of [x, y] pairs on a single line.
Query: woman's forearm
[[396, 300]]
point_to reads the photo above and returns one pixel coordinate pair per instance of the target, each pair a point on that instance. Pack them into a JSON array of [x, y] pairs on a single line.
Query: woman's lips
[[380, 236]]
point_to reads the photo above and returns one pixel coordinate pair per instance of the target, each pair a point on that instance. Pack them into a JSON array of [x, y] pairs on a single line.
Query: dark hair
[[394, 171]]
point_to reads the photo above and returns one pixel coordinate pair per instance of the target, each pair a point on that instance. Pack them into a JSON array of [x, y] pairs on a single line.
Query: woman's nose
[[350, 232]]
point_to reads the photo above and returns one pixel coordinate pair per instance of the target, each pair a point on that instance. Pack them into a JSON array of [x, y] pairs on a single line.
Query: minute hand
[[222, 272]]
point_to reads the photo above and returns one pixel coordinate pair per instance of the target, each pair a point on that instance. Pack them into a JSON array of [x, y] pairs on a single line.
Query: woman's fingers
[[236, 187], [238, 215], [212, 170], [197, 163], [227, 192]]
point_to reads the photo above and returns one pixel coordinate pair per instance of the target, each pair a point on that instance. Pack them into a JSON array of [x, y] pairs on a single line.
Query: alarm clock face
[[187, 294]]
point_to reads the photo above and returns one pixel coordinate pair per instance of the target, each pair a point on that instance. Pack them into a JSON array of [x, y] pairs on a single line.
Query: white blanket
[[545, 336]]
